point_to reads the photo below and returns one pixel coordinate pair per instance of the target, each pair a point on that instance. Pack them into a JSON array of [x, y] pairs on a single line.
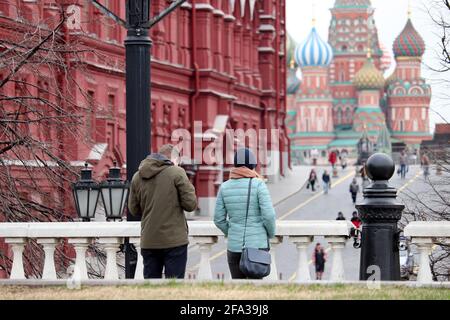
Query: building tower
[[368, 82], [408, 94], [352, 25], [313, 100]]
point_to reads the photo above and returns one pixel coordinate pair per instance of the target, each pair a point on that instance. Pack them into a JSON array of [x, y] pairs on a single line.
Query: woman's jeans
[[426, 170], [403, 171], [354, 197], [233, 263], [326, 187]]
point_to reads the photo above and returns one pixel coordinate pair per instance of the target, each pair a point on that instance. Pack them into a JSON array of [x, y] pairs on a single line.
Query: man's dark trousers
[[173, 260]]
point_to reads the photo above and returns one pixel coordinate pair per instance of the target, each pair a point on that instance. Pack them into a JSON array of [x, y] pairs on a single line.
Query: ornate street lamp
[[114, 193], [85, 194], [365, 148], [380, 212]]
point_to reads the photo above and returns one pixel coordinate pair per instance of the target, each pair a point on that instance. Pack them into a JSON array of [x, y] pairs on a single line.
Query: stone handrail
[[110, 236], [424, 235]]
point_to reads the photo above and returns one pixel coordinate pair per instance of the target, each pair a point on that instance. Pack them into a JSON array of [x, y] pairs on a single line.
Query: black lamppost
[[138, 90], [114, 193], [365, 148], [137, 59], [380, 213], [86, 193]]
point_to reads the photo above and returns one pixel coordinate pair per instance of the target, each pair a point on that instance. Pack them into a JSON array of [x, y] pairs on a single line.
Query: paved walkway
[[290, 184]]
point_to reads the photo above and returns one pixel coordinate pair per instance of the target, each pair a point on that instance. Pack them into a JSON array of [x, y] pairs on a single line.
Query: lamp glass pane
[[117, 202], [124, 200], [82, 196], [93, 202], [106, 201]]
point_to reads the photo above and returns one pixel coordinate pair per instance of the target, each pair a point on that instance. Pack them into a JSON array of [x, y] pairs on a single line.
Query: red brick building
[[214, 61]]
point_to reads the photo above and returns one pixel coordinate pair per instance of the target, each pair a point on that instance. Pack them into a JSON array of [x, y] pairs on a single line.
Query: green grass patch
[[227, 291]]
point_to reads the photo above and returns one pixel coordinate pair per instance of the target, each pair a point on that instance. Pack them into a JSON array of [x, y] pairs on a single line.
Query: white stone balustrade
[[424, 235], [301, 233], [204, 234], [274, 243]]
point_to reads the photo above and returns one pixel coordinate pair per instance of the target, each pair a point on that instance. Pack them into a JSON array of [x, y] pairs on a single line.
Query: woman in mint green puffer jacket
[[231, 205]]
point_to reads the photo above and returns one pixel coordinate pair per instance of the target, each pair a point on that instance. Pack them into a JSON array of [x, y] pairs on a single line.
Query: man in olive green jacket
[[160, 191]]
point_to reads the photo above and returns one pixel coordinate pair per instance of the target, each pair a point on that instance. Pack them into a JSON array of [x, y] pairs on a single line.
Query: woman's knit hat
[[244, 157]]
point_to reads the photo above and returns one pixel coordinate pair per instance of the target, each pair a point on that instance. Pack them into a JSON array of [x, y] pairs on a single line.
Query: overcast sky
[[390, 18]]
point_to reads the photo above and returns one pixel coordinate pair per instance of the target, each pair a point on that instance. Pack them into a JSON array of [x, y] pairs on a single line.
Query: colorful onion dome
[[369, 77], [409, 43], [386, 58], [313, 51]]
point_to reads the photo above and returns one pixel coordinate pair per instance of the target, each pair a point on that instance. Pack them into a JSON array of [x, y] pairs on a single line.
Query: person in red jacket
[[332, 158], [356, 220]]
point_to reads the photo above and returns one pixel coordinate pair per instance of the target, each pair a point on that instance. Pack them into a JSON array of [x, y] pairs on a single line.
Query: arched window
[[399, 91], [339, 116], [348, 115], [416, 91]]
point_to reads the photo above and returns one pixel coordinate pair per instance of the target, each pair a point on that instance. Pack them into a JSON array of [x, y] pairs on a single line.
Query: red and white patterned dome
[[409, 43]]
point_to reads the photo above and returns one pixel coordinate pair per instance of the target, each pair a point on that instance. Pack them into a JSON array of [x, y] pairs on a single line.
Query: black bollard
[[380, 213]]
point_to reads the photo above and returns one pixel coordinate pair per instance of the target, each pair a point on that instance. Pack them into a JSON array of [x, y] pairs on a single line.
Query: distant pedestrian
[[340, 216], [343, 159], [403, 164], [354, 189], [319, 258], [326, 181], [414, 157], [312, 180], [355, 230], [364, 179], [332, 158], [160, 192], [314, 155], [425, 163], [355, 220]]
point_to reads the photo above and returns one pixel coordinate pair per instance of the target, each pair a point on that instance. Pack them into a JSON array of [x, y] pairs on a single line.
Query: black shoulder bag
[[255, 262]]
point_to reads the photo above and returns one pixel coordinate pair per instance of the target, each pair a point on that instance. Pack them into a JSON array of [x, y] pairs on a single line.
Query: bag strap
[[246, 213]]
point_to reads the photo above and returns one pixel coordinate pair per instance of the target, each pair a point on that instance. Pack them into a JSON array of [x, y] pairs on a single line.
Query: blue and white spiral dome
[[313, 52]]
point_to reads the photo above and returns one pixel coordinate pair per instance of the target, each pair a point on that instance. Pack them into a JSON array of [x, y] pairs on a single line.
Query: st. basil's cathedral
[[337, 93]]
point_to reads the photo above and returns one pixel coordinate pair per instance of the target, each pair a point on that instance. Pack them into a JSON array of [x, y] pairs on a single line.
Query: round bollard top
[[380, 166]]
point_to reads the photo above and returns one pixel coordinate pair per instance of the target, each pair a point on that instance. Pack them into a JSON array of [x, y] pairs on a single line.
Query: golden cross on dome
[[409, 9], [313, 13]]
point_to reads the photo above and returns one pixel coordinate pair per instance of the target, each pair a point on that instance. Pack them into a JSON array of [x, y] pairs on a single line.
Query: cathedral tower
[[369, 81], [352, 26], [313, 100], [408, 93]]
